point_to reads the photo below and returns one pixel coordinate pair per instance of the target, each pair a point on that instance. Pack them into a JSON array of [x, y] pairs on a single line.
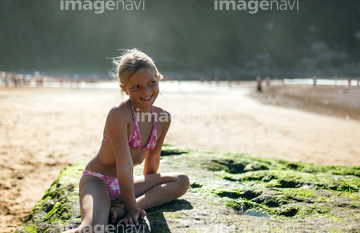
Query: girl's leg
[[153, 190], [95, 204], [158, 189]]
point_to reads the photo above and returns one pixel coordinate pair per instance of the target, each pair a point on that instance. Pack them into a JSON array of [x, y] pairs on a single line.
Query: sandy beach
[[42, 130]]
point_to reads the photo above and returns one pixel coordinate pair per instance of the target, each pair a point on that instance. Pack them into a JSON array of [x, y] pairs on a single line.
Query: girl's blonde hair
[[130, 62]]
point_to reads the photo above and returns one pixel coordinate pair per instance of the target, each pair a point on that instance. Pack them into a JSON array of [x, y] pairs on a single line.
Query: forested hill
[[321, 36]]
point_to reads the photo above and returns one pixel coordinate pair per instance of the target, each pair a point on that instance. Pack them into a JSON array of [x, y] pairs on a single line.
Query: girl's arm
[[117, 133], [152, 159]]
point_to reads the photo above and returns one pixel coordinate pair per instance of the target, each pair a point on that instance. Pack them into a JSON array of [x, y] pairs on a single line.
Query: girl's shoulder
[[162, 115], [120, 111], [159, 110]]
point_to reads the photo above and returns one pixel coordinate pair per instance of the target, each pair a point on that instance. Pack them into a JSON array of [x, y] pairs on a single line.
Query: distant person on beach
[[134, 132], [258, 84], [314, 81], [5, 78]]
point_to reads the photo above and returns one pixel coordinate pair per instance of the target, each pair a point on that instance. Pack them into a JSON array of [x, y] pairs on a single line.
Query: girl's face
[[142, 88]]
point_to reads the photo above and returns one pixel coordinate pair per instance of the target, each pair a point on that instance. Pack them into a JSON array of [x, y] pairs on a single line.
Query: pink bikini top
[[135, 138]]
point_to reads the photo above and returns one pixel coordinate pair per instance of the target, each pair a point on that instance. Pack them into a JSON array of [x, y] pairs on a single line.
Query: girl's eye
[[135, 87]]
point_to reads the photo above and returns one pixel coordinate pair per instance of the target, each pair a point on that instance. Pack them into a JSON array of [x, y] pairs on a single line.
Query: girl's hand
[[132, 217]]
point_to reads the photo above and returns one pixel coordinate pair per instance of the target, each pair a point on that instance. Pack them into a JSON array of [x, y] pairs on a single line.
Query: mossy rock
[[229, 192], [59, 207]]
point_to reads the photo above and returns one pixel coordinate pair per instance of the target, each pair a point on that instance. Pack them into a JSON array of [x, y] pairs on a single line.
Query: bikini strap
[[133, 111], [152, 113]]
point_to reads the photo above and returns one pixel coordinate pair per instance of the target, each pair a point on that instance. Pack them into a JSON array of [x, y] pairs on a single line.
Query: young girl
[[107, 184]]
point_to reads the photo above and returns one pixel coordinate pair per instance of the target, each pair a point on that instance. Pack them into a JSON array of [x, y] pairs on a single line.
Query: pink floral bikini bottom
[[111, 182]]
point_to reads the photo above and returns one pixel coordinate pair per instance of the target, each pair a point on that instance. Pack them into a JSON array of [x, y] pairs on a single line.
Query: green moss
[[237, 193], [322, 199], [225, 189], [314, 209], [168, 150], [283, 210], [26, 228], [236, 163], [236, 166], [355, 196], [228, 193], [295, 179], [287, 211], [195, 185], [58, 205], [298, 193], [232, 204]]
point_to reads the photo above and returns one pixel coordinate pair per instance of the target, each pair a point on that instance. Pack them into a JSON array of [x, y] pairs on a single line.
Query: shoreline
[[337, 101]]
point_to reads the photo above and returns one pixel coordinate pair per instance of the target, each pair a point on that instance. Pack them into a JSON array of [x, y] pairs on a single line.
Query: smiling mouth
[[147, 98]]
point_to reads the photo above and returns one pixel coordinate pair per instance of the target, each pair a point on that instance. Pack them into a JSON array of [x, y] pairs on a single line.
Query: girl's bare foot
[[117, 212]]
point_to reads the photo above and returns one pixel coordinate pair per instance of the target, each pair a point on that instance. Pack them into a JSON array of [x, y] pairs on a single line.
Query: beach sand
[[42, 130]]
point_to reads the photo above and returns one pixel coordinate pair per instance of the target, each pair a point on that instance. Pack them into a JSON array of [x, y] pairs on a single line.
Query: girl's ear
[[124, 89]]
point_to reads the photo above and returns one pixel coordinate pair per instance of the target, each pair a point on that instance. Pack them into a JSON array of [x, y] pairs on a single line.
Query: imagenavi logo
[[99, 6], [253, 6]]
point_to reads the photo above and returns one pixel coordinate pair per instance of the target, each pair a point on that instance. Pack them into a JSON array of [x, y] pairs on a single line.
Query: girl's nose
[[147, 89]]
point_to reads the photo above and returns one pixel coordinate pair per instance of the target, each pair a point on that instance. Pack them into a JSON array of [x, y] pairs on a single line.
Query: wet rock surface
[[229, 192]]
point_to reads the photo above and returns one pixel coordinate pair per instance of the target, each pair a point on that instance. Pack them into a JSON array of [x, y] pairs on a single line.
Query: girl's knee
[[183, 181], [180, 179]]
